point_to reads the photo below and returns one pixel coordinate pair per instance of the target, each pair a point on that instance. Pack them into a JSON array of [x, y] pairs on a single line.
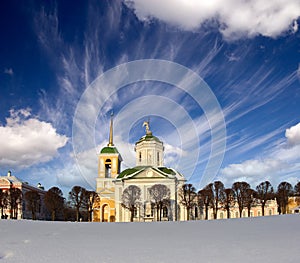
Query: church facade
[[149, 171]]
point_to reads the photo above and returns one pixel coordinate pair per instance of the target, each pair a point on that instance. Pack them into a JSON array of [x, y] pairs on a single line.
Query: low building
[[21, 210], [271, 208], [293, 205]]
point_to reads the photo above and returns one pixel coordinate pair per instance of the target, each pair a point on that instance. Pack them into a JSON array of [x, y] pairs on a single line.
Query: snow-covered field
[[264, 239]]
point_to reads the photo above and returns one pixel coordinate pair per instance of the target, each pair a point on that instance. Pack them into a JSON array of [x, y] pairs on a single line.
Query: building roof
[[13, 180], [132, 172], [109, 149], [148, 137]]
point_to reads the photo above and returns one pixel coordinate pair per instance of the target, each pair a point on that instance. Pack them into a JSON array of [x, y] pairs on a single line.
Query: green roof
[[166, 170], [148, 137], [130, 171], [109, 150]]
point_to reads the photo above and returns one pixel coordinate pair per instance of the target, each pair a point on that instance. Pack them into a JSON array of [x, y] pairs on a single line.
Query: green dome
[[149, 137], [109, 150]]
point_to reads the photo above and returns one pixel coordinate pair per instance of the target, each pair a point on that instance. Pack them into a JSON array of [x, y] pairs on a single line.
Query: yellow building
[[149, 171], [293, 205]]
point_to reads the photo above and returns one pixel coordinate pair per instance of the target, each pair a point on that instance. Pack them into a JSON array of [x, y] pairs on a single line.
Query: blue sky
[[54, 53]]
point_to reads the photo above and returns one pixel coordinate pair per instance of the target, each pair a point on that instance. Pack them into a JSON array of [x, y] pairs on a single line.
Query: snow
[[263, 239]]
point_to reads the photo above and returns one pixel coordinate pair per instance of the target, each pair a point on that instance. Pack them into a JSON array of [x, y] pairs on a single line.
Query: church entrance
[[105, 213]]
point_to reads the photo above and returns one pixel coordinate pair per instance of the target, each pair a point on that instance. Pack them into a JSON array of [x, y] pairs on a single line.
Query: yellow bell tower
[[109, 163]]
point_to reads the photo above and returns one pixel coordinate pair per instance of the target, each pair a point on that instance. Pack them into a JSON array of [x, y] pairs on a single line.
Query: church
[[149, 171]]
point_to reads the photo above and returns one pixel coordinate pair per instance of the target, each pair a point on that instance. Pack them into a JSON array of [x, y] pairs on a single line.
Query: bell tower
[[109, 164]]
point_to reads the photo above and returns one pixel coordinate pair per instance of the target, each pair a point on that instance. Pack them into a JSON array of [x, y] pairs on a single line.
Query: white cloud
[[293, 135], [252, 171], [281, 163], [8, 71], [26, 141], [172, 155], [295, 26], [237, 18]]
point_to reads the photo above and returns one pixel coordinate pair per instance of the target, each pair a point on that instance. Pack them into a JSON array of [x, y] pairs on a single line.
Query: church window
[[196, 211], [140, 156], [135, 212], [152, 209], [108, 168], [165, 212], [149, 157], [270, 212]]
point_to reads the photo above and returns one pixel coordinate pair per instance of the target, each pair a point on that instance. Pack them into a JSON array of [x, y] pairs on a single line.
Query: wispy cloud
[[242, 90], [8, 71]]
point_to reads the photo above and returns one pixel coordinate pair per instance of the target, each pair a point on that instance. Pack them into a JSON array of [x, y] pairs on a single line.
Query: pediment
[[4, 181], [149, 173]]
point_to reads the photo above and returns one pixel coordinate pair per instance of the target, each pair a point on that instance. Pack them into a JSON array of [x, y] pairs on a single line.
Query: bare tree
[[14, 201], [89, 199], [187, 195], [160, 196], [249, 199], [3, 202], [77, 198], [54, 202], [131, 198], [205, 199], [297, 189], [240, 193], [217, 191], [264, 192], [284, 191], [33, 202], [228, 200]]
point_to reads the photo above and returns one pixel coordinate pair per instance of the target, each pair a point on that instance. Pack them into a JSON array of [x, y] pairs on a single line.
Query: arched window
[[270, 212], [236, 214], [258, 213], [165, 212], [140, 156], [221, 215], [196, 212], [152, 209], [105, 213], [135, 212], [107, 168]]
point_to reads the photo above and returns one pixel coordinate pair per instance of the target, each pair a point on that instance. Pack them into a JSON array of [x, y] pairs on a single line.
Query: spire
[[110, 142]]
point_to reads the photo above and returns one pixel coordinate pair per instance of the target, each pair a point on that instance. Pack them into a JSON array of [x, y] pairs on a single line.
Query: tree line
[[213, 196], [79, 206]]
